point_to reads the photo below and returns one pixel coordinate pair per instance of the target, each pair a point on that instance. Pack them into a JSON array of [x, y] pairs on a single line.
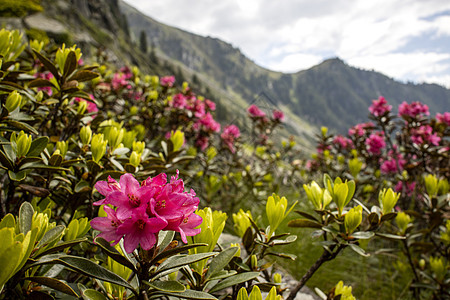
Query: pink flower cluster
[[255, 112], [229, 135], [167, 81], [278, 116], [412, 110], [405, 187], [360, 129], [424, 135], [379, 107], [375, 143], [343, 142], [392, 163], [443, 118], [119, 81], [137, 212]]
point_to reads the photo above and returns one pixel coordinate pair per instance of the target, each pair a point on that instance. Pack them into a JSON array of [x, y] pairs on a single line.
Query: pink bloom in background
[[379, 107], [46, 76], [424, 135], [405, 187], [167, 81], [360, 129], [178, 101], [141, 211], [229, 135], [126, 71], [91, 107], [443, 118], [202, 142], [343, 142], [211, 105], [412, 110], [255, 112], [375, 143], [392, 163], [119, 80], [208, 123], [278, 115]]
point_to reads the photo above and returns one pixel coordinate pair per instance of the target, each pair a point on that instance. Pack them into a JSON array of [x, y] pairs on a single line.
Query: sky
[[408, 40]]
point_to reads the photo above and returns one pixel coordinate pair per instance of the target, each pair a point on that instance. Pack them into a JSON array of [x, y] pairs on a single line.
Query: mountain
[[331, 94]]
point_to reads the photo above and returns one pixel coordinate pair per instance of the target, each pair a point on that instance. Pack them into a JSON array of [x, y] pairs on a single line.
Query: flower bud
[[152, 95], [355, 166], [387, 199], [135, 159], [352, 219], [324, 131], [86, 135], [253, 262], [439, 267], [431, 184], [443, 186], [13, 101], [276, 211], [23, 144], [319, 197], [134, 110], [82, 106], [129, 138], [154, 80], [277, 278], [343, 290], [402, 219], [98, 147], [115, 137], [139, 147], [422, 264]]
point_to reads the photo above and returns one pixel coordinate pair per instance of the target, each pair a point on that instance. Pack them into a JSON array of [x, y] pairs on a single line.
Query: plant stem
[[326, 256], [416, 291]]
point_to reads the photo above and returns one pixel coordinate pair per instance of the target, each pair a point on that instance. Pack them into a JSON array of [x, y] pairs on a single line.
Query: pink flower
[[141, 211], [379, 107], [405, 187], [229, 135], [343, 142], [255, 112], [91, 106], [424, 135], [178, 101], [360, 129], [389, 166], [375, 143], [278, 116], [202, 142], [119, 80], [412, 110], [140, 230], [207, 123], [167, 81], [211, 105], [443, 118], [108, 225]]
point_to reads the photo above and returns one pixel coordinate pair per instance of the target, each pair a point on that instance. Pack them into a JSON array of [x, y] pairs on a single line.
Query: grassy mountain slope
[[331, 94]]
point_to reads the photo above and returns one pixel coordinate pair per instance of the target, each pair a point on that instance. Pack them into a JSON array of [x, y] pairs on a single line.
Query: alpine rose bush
[[140, 211]]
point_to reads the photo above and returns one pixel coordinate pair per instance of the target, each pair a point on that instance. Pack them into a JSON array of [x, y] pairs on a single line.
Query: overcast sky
[[408, 40]]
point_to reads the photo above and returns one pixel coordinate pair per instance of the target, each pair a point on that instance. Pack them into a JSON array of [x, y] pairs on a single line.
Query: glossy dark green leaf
[[90, 294], [52, 235], [358, 250], [19, 176], [304, 223], [39, 82], [219, 262], [374, 219], [190, 294], [22, 126], [82, 186], [363, 235], [48, 64], [166, 286], [56, 160], [390, 236], [84, 75], [306, 215], [114, 254], [283, 255], [174, 251], [70, 64], [61, 246], [54, 284], [182, 260], [388, 217], [164, 238], [40, 166], [234, 280], [4, 160]]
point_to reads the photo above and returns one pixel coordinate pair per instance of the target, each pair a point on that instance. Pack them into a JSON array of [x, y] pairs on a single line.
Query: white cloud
[[289, 34]]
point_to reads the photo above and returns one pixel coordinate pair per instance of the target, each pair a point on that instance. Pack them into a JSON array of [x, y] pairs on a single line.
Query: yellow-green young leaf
[[352, 219], [314, 193], [439, 267], [272, 294], [28, 245], [13, 101], [340, 191], [71, 230], [388, 199], [177, 138], [344, 291], [255, 294], [241, 222], [355, 166], [431, 184], [443, 186], [402, 219], [242, 294], [8, 221], [9, 255]]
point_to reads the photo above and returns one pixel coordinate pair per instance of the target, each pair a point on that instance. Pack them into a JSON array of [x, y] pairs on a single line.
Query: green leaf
[[70, 64], [190, 294], [84, 75], [390, 236], [39, 82], [4, 160], [8, 221], [283, 255], [174, 251], [113, 253], [48, 64], [90, 294], [52, 235], [22, 126], [306, 215], [363, 235], [219, 262], [164, 238], [181, 260], [289, 240], [82, 186], [19, 176], [61, 246], [39, 166], [358, 250], [26, 212], [304, 223], [388, 217], [54, 284], [234, 280], [166, 286], [86, 267], [55, 160]]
